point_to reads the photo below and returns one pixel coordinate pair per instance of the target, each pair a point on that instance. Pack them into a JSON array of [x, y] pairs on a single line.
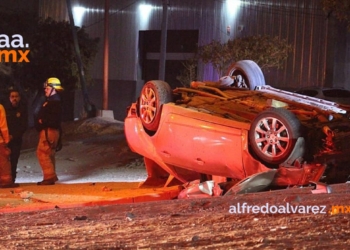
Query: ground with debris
[[211, 223], [280, 219], [95, 164]]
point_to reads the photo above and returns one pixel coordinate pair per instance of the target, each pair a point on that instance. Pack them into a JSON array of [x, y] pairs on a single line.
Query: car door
[[201, 142]]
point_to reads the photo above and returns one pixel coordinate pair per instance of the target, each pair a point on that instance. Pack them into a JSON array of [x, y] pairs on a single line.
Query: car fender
[[143, 145]]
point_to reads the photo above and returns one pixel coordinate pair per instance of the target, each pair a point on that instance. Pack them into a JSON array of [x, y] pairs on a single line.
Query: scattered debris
[[130, 216], [106, 189], [292, 198], [26, 195], [195, 189], [320, 188], [80, 217], [254, 183], [195, 238], [17, 190]]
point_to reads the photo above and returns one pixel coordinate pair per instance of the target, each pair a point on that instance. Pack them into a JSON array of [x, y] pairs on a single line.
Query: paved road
[[104, 158]]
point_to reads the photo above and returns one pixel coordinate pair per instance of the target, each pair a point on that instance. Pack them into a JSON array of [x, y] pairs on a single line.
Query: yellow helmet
[[54, 83]]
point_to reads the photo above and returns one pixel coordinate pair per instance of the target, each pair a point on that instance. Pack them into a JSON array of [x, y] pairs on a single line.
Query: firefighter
[[48, 124], [5, 165]]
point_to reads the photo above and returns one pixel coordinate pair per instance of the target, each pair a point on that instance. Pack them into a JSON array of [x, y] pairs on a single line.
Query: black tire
[[273, 134], [248, 74], [153, 95]]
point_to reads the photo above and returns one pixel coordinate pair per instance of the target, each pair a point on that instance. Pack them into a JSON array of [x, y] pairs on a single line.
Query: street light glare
[[78, 13], [144, 14], [233, 4]]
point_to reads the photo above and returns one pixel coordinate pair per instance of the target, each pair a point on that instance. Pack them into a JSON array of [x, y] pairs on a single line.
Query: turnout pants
[[46, 151], [5, 165]]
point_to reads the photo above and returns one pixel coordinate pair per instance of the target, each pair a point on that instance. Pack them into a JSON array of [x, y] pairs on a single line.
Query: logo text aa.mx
[[12, 49], [14, 55]]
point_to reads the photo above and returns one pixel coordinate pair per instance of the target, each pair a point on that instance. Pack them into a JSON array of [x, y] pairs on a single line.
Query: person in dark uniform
[[17, 123], [48, 124]]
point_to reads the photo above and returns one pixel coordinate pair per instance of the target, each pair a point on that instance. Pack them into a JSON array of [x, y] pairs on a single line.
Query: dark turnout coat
[[50, 114]]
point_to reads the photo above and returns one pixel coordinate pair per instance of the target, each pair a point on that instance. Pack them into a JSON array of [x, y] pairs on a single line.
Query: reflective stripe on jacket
[[5, 137]]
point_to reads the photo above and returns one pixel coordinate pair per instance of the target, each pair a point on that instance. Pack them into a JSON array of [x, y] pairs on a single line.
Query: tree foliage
[[339, 8], [188, 74], [51, 51], [266, 51], [217, 54]]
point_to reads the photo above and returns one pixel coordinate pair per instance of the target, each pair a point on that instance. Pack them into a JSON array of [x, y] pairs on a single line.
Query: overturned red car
[[225, 132]]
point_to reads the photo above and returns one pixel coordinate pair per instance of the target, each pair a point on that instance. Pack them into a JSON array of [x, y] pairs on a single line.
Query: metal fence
[[301, 22]]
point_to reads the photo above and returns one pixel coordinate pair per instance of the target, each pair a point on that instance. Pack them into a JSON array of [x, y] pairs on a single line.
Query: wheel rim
[[241, 80], [148, 106], [271, 137]]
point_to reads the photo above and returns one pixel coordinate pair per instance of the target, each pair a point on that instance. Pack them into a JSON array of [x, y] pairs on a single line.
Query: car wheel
[[273, 134], [153, 95], [247, 73]]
